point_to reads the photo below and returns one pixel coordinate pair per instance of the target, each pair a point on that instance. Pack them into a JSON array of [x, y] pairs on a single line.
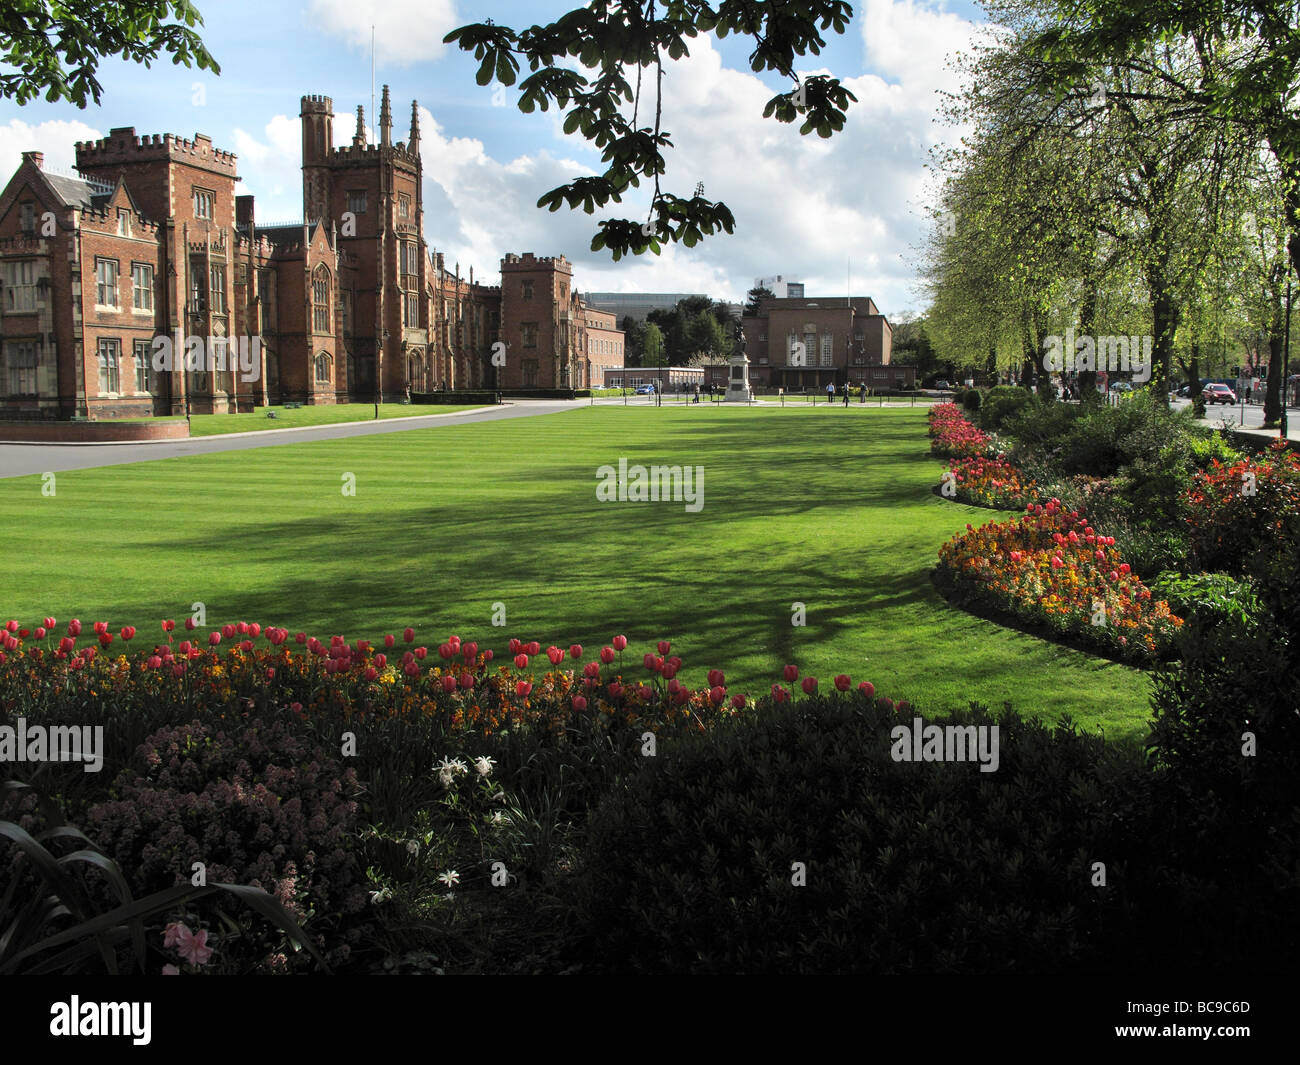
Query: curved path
[[24, 460]]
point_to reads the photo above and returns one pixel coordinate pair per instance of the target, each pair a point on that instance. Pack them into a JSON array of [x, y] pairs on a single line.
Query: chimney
[[244, 212], [37, 159]]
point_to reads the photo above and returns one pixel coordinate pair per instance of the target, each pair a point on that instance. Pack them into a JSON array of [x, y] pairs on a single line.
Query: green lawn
[[212, 424], [830, 509]]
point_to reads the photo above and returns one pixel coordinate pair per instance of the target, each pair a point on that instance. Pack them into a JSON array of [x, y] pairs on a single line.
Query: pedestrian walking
[[862, 392], [845, 387], [830, 393]]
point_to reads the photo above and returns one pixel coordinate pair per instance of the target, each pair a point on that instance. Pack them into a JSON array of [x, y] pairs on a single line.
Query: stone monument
[[738, 390]]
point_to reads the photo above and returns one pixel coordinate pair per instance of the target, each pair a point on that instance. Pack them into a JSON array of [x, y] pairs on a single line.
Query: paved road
[[23, 460]]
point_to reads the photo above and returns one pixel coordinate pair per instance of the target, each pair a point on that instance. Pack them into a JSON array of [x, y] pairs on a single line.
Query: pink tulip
[[467, 680], [790, 673], [214, 638], [533, 648], [449, 684], [607, 655], [420, 653], [615, 689], [128, 632], [50, 623], [228, 631], [579, 703], [155, 662], [575, 651], [664, 647], [620, 642], [445, 651], [255, 630], [555, 655], [300, 638], [515, 646], [40, 633], [100, 627], [523, 689], [190, 625], [521, 661], [371, 673], [454, 643], [717, 694], [389, 640], [381, 660], [408, 635], [470, 651], [649, 661]]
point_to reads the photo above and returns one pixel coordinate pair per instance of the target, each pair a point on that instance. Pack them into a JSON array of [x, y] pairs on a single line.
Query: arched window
[[323, 368], [320, 300]]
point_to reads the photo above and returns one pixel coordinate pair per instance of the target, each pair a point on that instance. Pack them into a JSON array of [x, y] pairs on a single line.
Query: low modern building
[[637, 304], [780, 286]]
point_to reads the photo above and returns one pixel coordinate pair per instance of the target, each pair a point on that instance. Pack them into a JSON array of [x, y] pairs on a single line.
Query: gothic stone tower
[[370, 197]]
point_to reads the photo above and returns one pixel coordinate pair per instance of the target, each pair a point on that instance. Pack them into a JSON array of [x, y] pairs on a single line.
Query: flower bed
[[1245, 512], [952, 435], [1051, 568], [996, 483], [329, 772]]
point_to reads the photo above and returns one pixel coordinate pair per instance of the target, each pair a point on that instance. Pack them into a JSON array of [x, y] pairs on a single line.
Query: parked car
[[1215, 392], [646, 390], [1121, 386]]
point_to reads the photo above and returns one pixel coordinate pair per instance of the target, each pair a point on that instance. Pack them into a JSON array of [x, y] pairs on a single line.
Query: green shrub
[[931, 867], [970, 399], [1001, 403]]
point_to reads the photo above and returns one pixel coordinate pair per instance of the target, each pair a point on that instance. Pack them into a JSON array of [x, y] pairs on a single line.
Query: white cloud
[[57, 139], [272, 168], [406, 31]]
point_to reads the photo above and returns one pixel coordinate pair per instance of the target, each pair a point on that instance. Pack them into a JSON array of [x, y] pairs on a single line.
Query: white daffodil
[[449, 769], [484, 765], [497, 817], [450, 878]]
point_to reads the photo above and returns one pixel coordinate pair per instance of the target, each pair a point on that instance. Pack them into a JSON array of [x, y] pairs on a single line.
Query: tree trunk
[[1273, 390]]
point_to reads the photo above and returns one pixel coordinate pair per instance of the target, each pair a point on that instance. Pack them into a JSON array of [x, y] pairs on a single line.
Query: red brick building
[[151, 241], [801, 344]]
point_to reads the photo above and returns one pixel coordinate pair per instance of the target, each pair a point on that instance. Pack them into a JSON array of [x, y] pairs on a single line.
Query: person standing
[[830, 392], [845, 388], [862, 392]]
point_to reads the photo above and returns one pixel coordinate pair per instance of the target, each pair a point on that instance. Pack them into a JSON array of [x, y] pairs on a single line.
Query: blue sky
[[805, 208]]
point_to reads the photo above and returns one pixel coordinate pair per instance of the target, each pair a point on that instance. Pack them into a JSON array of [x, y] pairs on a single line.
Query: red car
[[1215, 392]]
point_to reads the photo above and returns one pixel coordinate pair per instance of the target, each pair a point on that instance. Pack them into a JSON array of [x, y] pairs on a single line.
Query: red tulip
[[1124, 567], [809, 685], [716, 694], [454, 643], [487, 655], [738, 702], [332, 666], [411, 669], [607, 655], [579, 703], [50, 623], [445, 651], [389, 640], [190, 625], [779, 694], [270, 674], [178, 670], [67, 644], [228, 631], [842, 682], [523, 689], [649, 660], [214, 638], [620, 642], [555, 655], [300, 638], [255, 630], [105, 638], [371, 673], [515, 646], [645, 691], [533, 648], [74, 627], [245, 645], [467, 680], [790, 673], [40, 633], [242, 628], [448, 683], [521, 661], [591, 669], [886, 703], [128, 632], [100, 627], [867, 688], [674, 686], [420, 653], [664, 647], [904, 707], [675, 662], [277, 636], [615, 689], [381, 660], [681, 696], [575, 651], [716, 678], [408, 635]]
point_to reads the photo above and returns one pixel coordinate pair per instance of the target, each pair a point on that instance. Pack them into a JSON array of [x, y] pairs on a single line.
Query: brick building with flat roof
[[802, 344]]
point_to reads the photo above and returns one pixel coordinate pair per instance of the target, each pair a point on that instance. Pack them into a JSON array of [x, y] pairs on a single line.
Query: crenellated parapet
[[122, 148]]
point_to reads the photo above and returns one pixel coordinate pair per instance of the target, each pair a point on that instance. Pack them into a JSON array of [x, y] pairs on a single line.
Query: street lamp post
[[1286, 357]]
